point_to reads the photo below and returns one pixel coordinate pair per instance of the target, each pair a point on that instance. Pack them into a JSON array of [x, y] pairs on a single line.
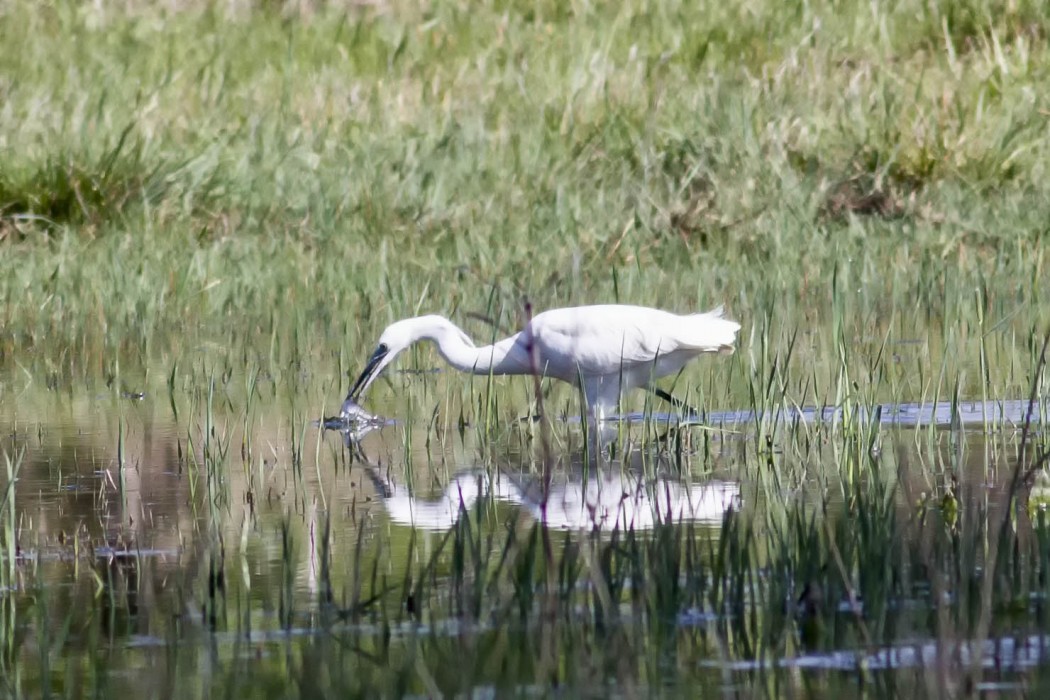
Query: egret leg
[[601, 396], [674, 401]]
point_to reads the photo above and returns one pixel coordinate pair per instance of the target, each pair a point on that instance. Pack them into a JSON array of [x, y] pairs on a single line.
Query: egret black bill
[[371, 370]]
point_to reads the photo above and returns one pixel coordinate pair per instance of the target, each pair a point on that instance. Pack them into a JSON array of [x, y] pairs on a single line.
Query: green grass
[[222, 204], [173, 171]]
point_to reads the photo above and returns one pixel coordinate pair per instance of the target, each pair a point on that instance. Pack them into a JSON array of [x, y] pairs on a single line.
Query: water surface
[[223, 530]]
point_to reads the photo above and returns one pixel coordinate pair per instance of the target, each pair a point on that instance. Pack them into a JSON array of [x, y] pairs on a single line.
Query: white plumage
[[605, 350]]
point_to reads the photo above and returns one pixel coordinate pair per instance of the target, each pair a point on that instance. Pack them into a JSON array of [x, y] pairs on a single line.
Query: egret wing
[[603, 339]]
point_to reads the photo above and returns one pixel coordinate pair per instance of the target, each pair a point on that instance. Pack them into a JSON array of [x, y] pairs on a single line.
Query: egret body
[[604, 350]]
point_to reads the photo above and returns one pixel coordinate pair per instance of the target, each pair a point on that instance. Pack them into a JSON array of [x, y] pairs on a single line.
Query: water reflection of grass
[[223, 211]]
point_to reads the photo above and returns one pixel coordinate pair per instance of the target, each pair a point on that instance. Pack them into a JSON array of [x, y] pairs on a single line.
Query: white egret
[[604, 350]]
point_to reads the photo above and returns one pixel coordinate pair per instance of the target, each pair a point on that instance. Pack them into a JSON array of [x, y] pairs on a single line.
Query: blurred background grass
[[313, 170]]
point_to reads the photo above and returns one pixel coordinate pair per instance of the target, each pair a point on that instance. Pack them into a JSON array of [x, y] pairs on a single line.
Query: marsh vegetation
[[209, 211]]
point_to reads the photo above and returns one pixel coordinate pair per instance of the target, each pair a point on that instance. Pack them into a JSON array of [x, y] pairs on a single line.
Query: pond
[[208, 534]]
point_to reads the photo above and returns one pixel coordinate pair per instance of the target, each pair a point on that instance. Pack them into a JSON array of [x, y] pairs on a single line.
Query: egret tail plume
[[710, 331]]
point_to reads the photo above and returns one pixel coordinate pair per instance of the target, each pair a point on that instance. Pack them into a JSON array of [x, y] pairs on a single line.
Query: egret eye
[[382, 349]]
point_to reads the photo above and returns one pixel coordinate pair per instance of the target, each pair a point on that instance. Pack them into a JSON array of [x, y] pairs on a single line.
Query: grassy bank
[[322, 171]]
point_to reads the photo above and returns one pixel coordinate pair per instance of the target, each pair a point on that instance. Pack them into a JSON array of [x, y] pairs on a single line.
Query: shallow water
[[1002, 413], [225, 530]]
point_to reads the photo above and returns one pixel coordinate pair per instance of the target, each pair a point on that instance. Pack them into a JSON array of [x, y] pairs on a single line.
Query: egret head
[[394, 340], [397, 338]]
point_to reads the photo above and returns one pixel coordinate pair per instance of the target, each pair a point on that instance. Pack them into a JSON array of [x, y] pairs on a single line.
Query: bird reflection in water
[[606, 496]]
